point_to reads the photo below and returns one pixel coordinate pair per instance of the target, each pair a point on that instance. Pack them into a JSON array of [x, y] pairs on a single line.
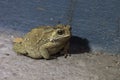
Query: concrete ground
[[78, 66]]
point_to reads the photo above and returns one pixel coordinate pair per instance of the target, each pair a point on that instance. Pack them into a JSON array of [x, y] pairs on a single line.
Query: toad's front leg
[[66, 50], [44, 50]]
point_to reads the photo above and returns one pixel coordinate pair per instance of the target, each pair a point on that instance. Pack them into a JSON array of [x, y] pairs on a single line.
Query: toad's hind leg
[[18, 48]]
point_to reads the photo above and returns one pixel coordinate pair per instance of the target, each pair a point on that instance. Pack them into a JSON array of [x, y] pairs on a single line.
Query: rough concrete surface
[[80, 66]]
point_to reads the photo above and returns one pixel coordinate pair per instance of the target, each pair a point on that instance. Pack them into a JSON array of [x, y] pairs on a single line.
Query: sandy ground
[[85, 66]]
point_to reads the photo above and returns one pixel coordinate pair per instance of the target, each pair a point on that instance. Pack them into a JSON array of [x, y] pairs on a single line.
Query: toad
[[44, 41]]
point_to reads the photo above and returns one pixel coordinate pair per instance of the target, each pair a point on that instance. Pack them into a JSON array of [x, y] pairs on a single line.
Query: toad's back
[[37, 36]]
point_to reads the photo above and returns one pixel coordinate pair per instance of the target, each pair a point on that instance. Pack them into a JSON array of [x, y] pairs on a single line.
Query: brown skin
[[43, 41]]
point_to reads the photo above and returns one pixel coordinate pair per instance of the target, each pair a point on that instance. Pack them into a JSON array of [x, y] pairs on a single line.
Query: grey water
[[98, 21]]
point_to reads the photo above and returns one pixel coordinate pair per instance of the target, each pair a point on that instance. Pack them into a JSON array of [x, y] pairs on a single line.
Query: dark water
[[98, 21]]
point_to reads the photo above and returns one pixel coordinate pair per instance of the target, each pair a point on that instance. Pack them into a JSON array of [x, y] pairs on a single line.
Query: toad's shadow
[[79, 45]]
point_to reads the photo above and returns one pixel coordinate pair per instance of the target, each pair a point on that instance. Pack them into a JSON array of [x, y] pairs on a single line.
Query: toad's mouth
[[60, 38]]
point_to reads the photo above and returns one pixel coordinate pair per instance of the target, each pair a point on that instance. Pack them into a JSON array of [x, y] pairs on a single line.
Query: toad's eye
[[60, 32]]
